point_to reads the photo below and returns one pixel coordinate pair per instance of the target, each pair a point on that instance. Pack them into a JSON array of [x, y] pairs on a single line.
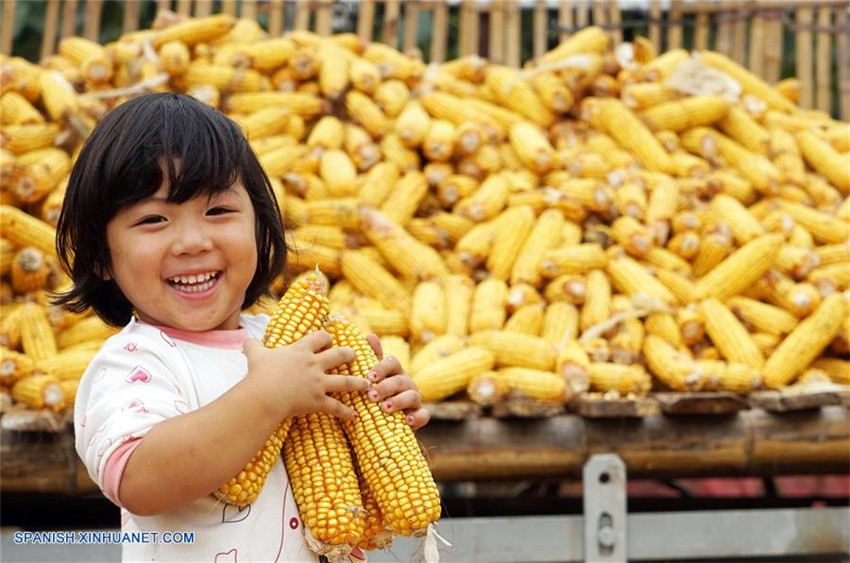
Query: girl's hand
[[293, 380], [394, 388]]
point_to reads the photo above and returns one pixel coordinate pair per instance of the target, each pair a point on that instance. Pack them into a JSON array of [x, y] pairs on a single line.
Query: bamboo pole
[[616, 18], [465, 29], [541, 28], [842, 46], [497, 33], [69, 18], [51, 23], [582, 13], [228, 7], [184, 7], [203, 8], [565, 18], [302, 16], [91, 27], [8, 26], [392, 15], [514, 34], [600, 14], [276, 15], [324, 24], [674, 33], [739, 35], [411, 26], [723, 43], [823, 61], [774, 39], [131, 15], [757, 46], [655, 24], [440, 32], [249, 9], [803, 38], [701, 31], [366, 20]]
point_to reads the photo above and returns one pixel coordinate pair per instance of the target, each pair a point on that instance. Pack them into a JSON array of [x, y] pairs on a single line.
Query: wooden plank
[[655, 24], [774, 40], [324, 13], [51, 23], [723, 42], [366, 20], [783, 401], [756, 51], [464, 28], [184, 7], [513, 37], [276, 18], [38, 462], [203, 8], [20, 419], [674, 32], [411, 26], [392, 20], [700, 403], [496, 53], [523, 407], [453, 410], [800, 440], [228, 7], [595, 405], [69, 18], [803, 38], [249, 9], [823, 60], [440, 32], [843, 60], [541, 29], [600, 12], [302, 15], [91, 27], [131, 15], [565, 19]]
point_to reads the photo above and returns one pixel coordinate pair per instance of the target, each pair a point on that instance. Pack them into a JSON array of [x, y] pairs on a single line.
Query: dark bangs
[[203, 152]]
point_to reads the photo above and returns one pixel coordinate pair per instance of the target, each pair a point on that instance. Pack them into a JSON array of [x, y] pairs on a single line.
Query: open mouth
[[195, 283]]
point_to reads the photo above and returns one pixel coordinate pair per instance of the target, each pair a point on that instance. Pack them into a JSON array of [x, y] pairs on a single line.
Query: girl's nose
[[192, 240]]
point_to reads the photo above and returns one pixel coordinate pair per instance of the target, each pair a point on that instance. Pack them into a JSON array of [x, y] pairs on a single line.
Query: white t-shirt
[[144, 375]]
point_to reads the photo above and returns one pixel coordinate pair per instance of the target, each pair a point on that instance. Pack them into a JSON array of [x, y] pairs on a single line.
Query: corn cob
[[734, 377], [748, 81], [534, 383], [513, 349], [195, 31], [404, 199], [301, 310], [528, 265], [17, 110], [39, 392], [370, 278], [14, 366], [384, 445], [838, 370], [624, 379], [741, 269], [452, 373], [487, 389], [532, 147], [488, 305], [428, 315], [729, 335], [805, 342], [828, 162]]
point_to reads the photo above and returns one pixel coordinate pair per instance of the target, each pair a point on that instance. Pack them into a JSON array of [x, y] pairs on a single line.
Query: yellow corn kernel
[[729, 335], [513, 349], [741, 269], [625, 379]]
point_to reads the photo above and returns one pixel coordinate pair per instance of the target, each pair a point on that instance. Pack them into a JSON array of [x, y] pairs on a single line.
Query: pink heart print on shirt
[[232, 513], [131, 347], [224, 556], [103, 447], [135, 405], [138, 373]]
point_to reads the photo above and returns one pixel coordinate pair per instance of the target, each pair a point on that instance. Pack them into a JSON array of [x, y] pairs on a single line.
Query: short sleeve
[[129, 387]]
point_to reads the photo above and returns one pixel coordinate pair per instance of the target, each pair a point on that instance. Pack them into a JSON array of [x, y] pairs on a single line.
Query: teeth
[[194, 279]]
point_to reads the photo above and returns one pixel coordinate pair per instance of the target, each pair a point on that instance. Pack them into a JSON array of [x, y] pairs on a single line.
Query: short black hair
[[122, 163]]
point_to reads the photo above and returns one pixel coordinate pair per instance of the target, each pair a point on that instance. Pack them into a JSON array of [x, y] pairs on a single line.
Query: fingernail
[[373, 375], [409, 419], [373, 395], [388, 405], [356, 414]]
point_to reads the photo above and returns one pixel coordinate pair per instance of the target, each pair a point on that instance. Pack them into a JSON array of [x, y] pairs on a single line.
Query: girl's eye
[[219, 211], [151, 220]]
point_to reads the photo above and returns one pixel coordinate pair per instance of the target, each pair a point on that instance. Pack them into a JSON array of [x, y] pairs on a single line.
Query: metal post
[[604, 478]]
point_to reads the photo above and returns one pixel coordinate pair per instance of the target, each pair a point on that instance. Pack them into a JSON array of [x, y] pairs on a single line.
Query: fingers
[[404, 401], [385, 368], [391, 386], [317, 341], [334, 357], [336, 408], [375, 343], [345, 384], [418, 418]]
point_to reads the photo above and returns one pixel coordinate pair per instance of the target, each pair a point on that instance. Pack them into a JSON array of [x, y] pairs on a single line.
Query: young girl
[[170, 229]]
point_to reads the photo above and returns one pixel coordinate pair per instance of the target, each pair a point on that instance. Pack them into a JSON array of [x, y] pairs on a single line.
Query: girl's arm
[[187, 457]]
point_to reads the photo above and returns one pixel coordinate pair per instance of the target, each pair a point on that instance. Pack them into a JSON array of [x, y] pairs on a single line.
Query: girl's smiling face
[[185, 265]]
